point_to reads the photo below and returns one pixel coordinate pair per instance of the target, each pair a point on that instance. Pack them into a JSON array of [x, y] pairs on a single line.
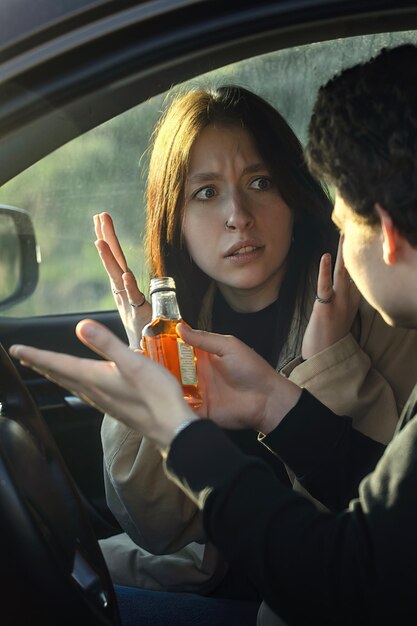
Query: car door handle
[[76, 403]]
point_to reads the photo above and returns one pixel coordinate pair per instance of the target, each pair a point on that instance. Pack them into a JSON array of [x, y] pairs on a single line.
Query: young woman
[[234, 216]]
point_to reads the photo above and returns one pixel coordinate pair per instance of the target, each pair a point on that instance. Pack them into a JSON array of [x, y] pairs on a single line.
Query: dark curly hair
[[363, 137]]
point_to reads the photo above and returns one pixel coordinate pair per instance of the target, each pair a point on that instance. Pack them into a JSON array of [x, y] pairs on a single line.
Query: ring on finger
[[324, 300], [116, 291], [136, 306]]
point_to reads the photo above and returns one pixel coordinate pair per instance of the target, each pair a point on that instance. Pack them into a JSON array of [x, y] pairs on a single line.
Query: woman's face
[[236, 227]]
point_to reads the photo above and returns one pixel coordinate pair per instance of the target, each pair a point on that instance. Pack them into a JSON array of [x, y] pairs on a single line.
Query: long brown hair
[[173, 140]]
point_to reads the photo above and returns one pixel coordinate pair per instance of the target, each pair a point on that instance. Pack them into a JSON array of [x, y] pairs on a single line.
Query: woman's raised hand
[[133, 308], [334, 309]]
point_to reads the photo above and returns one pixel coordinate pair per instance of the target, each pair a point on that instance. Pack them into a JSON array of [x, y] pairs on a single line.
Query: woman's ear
[[392, 241]]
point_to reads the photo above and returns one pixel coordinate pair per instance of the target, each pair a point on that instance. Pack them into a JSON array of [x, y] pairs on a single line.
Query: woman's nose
[[239, 216]]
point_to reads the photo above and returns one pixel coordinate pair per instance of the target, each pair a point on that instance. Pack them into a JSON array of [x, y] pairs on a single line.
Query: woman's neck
[[248, 300]]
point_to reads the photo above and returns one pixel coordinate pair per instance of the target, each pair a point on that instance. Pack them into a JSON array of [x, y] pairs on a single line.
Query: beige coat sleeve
[[367, 375], [154, 512], [196, 568]]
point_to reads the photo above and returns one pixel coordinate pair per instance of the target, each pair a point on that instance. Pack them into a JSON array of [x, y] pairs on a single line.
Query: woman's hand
[[128, 385], [335, 307], [133, 309]]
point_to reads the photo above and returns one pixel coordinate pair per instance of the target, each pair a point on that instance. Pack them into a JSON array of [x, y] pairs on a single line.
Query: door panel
[[74, 425]]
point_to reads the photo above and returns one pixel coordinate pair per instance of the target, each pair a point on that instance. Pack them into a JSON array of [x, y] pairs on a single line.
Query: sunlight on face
[[363, 257], [356, 238], [237, 228]]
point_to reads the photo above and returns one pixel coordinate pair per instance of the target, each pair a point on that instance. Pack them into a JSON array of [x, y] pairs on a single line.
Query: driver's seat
[[52, 570]]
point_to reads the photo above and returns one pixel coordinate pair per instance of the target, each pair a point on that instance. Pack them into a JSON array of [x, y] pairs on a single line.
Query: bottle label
[[187, 364]]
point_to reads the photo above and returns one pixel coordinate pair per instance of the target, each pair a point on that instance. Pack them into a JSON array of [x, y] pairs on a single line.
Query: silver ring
[[136, 306], [116, 291], [324, 300]]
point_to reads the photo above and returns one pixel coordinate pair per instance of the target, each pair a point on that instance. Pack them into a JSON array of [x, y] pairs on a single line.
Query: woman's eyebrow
[[201, 177], [254, 168]]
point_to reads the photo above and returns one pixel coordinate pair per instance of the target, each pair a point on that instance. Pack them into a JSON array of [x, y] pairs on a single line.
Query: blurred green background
[[105, 170]]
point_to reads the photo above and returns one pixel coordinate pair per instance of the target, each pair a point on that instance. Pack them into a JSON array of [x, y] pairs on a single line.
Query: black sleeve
[[355, 567], [327, 455]]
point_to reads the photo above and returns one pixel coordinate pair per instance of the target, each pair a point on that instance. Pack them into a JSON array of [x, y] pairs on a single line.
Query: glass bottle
[[161, 342]]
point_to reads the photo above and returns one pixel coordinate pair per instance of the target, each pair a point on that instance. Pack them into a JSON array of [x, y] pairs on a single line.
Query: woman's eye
[[205, 193], [262, 183]]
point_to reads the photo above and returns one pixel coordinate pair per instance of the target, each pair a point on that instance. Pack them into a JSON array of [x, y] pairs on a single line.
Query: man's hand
[[240, 389], [127, 385]]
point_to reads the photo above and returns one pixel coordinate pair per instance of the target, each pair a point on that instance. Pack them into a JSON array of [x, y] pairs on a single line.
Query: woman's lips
[[240, 246], [244, 249], [245, 254]]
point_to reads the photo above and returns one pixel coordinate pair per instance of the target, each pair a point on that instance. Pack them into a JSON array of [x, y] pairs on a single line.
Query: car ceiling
[[81, 62], [20, 18]]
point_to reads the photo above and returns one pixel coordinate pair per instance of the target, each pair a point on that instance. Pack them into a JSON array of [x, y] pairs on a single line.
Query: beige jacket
[[367, 375]]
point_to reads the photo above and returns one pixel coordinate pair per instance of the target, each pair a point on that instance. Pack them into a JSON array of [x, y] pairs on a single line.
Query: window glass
[[10, 259], [105, 170]]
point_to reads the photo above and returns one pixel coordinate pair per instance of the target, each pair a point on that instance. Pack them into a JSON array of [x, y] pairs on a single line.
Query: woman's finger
[[97, 226], [341, 276], [324, 280], [112, 267], [109, 235], [134, 294]]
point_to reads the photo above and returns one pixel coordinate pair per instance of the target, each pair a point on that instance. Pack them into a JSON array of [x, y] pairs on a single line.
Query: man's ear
[[392, 241]]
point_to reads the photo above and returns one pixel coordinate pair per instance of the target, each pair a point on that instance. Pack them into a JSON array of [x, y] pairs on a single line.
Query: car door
[[97, 171]]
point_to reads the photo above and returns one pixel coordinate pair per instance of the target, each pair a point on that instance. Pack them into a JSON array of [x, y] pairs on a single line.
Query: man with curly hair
[[357, 566]]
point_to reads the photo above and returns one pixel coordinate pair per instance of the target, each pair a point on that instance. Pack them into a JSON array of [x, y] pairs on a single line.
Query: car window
[[105, 170]]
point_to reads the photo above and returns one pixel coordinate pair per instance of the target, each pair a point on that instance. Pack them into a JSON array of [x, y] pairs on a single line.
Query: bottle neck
[[165, 305]]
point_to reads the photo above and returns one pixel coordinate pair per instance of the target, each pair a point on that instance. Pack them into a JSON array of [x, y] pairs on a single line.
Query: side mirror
[[19, 259]]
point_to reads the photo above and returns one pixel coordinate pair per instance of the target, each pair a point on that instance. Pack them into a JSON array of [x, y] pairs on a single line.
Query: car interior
[[84, 84]]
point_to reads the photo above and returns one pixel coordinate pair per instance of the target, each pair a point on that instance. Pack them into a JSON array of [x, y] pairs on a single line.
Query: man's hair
[[363, 137]]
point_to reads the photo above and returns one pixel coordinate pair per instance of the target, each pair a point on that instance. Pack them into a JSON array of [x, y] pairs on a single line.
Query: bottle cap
[[163, 283]]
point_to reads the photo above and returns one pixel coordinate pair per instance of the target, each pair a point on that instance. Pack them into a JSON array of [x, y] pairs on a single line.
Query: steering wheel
[[51, 565]]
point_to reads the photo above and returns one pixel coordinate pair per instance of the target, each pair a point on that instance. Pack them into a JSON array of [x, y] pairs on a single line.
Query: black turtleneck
[[257, 330]]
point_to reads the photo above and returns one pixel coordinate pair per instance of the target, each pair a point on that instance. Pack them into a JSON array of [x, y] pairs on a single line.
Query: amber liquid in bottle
[[162, 343]]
